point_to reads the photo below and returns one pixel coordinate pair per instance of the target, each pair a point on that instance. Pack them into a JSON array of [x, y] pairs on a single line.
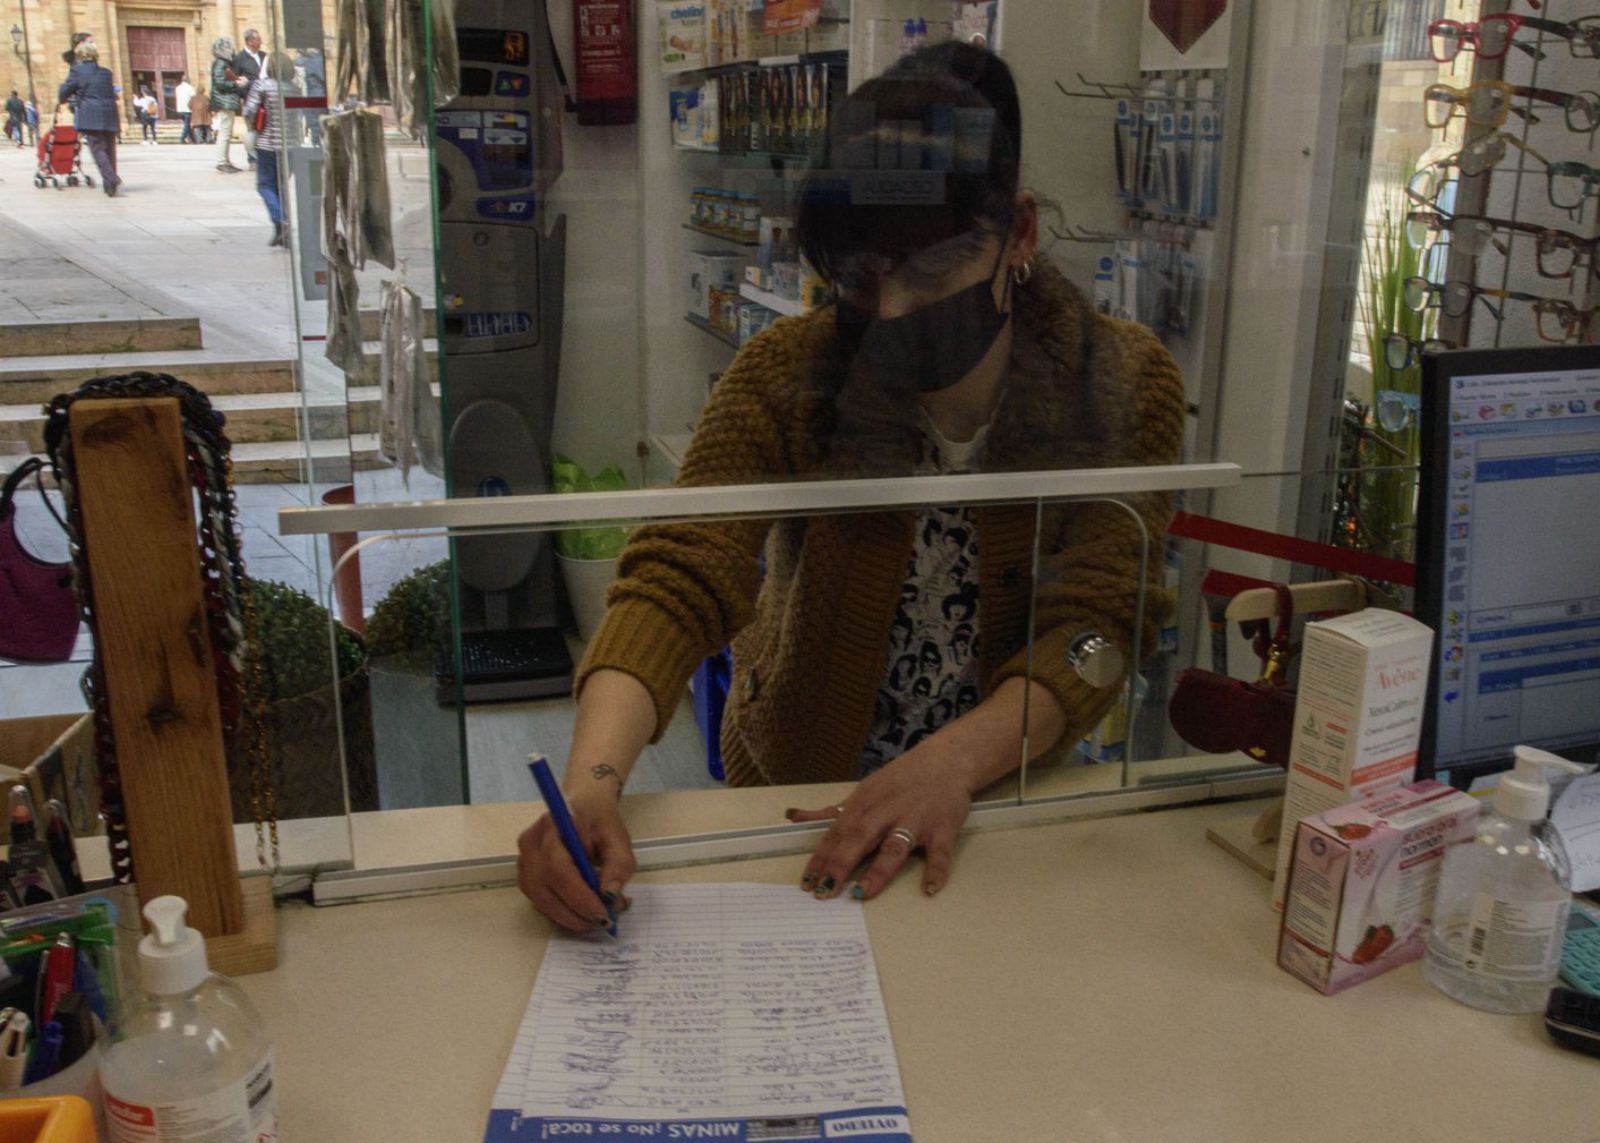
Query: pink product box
[[1362, 882]]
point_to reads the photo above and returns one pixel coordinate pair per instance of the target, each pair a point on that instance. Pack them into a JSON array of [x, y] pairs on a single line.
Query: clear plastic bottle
[[189, 1059], [1500, 915]]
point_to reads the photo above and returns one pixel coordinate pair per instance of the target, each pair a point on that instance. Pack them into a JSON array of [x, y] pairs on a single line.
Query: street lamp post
[[20, 35]]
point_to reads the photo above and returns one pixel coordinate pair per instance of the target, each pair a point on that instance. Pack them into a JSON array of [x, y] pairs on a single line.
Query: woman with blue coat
[[94, 110]]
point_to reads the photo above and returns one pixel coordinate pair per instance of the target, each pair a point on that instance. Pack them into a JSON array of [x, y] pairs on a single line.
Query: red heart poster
[[1183, 22]]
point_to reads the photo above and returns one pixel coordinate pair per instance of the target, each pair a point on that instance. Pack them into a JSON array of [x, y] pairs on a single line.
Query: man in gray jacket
[[248, 64]]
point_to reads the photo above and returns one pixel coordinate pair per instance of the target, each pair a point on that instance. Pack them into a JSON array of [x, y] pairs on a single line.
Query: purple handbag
[[38, 611]]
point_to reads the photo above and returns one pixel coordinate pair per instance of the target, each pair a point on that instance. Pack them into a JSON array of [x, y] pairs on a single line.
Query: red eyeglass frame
[[1468, 32]]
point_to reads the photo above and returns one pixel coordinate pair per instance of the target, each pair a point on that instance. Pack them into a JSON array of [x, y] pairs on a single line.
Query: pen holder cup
[[81, 1078], [53, 1119]]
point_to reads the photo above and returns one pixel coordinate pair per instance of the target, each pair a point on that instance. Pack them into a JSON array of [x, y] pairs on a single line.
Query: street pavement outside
[[181, 238]]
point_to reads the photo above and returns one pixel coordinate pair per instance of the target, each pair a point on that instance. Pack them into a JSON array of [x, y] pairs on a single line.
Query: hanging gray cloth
[[343, 346], [371, 191], [350, 47], [355, 187], [409, 430]]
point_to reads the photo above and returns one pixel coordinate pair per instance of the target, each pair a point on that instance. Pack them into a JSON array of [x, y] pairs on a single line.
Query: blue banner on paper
[[867, 1125]]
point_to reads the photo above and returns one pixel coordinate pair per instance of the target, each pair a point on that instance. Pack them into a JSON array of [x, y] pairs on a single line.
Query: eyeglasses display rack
[[1514, 262]]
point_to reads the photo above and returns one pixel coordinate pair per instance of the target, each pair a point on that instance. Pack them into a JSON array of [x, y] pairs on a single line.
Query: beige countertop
[[1108, 980]]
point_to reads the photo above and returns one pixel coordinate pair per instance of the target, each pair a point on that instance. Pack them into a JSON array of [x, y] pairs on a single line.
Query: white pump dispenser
[[190, 1051], [172, 958], [1500, 916], [1524, 794]]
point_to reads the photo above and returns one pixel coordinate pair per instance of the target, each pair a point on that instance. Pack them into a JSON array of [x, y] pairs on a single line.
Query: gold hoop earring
[[1023, 273]]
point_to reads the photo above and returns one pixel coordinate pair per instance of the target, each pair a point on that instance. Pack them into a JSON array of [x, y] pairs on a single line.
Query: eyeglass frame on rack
[[1458, 97], [1548, 240], [1471, 32], [1577, 324], [1442, 292], [1587, 176], [1482, 143], [1437, 220], [1412, 349]]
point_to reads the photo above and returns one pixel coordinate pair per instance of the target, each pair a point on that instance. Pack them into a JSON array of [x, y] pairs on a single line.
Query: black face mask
[[936, 345]]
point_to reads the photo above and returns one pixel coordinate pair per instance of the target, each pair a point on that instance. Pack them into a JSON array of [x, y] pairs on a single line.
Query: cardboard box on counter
[[1357, 717], [1362, 883]]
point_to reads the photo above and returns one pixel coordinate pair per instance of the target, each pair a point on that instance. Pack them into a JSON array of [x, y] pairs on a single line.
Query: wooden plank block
[[151, 635], [1237, 836], [255, 947]]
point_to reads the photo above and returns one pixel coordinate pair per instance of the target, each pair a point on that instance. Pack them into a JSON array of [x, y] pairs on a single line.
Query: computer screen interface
[[1509, 555]]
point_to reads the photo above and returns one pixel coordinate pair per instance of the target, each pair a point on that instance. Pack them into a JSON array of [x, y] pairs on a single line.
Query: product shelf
[[702, 324], [719, 234], [788, 307]]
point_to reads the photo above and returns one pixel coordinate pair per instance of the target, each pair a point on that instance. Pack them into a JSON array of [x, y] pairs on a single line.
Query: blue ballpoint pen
[[557, 806], [46, 1054]]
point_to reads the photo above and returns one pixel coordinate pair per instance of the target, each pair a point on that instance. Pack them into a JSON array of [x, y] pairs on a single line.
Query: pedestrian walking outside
[[250, 64], [94, 111], [226, 97], [183, 102], [33, 122], [267, 93], [16, 116], [200, 116], [144, 109]]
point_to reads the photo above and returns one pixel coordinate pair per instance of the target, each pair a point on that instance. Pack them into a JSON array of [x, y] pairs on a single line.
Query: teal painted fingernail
[[808, 882], [858, 891], [602, 922], [825, 886], [608, 896]]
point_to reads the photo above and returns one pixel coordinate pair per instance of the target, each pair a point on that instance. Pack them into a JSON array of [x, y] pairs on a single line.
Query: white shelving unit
[[677, 359], [788, 307]]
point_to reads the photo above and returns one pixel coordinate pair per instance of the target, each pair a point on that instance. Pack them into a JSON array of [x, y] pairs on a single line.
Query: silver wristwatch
[[1096, 659]]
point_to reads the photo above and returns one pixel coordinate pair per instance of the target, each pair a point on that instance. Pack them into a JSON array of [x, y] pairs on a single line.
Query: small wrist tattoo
[[602, 772]]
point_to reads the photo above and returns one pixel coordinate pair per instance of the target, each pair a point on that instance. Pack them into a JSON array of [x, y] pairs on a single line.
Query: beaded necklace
[[230, 616]]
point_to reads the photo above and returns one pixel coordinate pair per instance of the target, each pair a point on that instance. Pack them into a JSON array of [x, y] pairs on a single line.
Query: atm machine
[[501, 269]]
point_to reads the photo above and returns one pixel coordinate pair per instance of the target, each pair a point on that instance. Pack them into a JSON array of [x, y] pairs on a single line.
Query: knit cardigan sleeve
[[1090, 579], [684, 590]]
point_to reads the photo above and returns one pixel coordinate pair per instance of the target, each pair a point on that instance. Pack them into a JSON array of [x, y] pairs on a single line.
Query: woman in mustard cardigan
[[886, 647]]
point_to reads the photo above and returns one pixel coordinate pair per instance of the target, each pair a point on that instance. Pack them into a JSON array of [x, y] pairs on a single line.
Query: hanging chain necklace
[[230, 616]]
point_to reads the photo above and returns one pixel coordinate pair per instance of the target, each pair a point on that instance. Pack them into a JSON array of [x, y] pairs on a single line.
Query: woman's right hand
[[550, 879]]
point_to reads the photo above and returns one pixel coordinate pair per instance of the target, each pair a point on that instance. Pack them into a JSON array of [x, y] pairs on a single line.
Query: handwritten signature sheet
[[728, 1011], [1576, 819]]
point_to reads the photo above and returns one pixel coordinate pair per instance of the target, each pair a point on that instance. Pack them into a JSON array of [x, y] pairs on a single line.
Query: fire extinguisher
[[607, 63]]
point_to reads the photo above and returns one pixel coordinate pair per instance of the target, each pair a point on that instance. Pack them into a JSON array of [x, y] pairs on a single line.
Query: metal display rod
[[747, 500]]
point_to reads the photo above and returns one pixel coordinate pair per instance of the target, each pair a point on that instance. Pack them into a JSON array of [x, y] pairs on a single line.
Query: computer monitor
[[1508, 555]]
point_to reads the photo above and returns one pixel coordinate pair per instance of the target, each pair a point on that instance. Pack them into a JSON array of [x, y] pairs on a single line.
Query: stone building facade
[[150, 43]]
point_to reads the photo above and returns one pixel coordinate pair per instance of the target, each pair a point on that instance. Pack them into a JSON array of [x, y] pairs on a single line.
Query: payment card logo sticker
[[510, 83], [507, 209], [498, 325]]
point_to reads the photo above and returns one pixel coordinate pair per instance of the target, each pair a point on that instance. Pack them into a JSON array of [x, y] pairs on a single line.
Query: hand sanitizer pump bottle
[[1500, 915], [189, 1050]]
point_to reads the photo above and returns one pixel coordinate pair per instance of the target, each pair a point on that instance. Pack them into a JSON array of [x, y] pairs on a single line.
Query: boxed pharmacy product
[[1362, 882], [712, 270], [683, 35], [1357, 716]]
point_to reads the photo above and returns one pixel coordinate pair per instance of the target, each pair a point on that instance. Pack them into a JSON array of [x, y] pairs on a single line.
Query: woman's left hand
[[918, 801]]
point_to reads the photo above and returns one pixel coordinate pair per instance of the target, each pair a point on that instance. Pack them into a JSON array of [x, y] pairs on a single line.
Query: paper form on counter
[[1576, 820], [728, 1011]]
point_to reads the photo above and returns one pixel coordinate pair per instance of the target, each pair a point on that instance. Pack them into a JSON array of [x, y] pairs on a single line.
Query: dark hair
[[963, 101]]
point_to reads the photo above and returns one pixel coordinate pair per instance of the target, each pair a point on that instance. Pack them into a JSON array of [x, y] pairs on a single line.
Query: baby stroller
[[61, 158]]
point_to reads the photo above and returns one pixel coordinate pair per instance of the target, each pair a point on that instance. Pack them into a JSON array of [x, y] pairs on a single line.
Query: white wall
[[597, 419], [1281, 211]]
